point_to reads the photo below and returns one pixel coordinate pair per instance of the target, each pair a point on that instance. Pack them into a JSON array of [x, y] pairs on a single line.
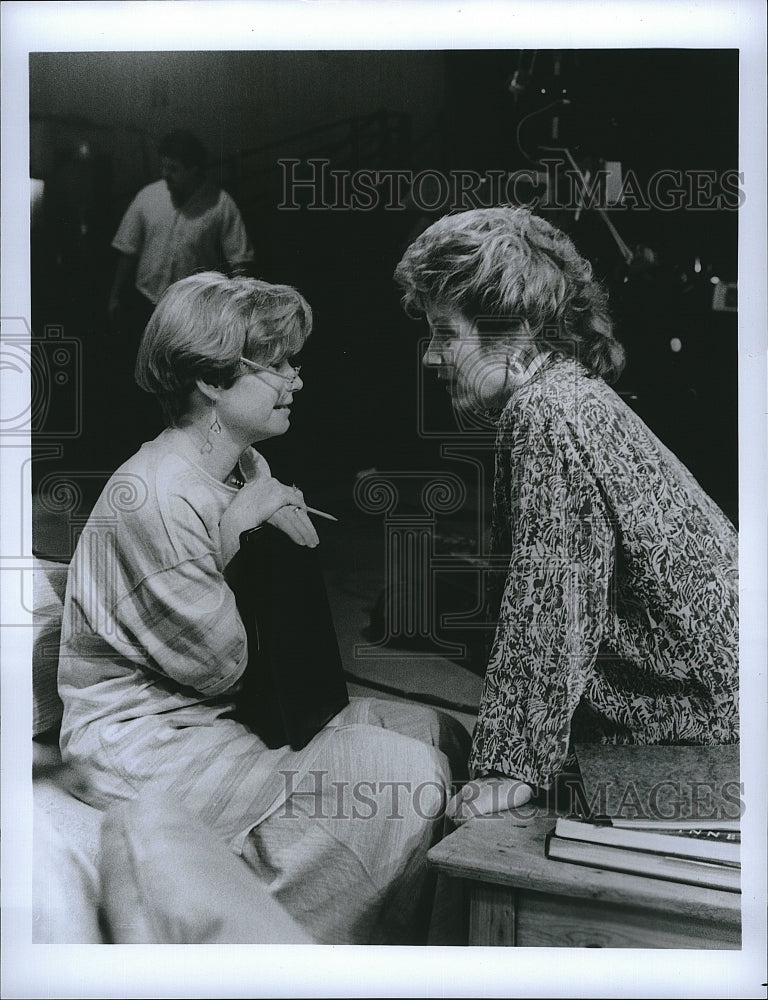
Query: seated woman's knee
[[385, 769], [429, 726]]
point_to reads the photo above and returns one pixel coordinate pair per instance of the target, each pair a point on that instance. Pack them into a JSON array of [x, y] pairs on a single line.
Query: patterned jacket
[[618, 613]]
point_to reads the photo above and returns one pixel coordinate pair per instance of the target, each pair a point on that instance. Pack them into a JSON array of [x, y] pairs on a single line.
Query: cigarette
[[321, 513]]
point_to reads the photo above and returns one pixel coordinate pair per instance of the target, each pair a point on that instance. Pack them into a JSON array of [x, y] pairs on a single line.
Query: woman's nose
[[433, 356]]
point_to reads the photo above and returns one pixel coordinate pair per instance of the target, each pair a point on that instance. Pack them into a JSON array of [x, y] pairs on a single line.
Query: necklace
[[236, 478]]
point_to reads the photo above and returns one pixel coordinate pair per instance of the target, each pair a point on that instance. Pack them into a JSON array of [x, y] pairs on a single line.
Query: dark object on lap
[[294, 682]]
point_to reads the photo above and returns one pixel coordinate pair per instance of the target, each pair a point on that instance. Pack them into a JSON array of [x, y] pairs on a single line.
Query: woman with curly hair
[[618, 603]]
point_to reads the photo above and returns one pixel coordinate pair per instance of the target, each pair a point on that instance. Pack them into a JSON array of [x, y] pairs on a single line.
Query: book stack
[[661, 812]]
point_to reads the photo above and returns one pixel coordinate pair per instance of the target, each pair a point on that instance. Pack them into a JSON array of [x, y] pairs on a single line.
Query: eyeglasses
[[290, 379]]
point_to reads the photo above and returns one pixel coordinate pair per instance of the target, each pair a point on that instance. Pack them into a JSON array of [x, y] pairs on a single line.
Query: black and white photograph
[[383, 546]]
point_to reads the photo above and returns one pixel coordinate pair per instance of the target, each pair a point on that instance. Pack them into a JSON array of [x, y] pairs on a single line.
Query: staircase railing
[[378, 140]]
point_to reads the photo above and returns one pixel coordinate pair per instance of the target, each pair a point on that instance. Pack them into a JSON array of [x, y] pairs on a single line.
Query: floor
[[407, 664]]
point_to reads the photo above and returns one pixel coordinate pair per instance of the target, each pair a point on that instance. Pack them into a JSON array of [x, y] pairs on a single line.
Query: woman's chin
[[271, 432], [279, 423], [471, 404]]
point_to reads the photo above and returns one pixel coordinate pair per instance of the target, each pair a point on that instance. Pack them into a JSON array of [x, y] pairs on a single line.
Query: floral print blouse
[[618, 613]]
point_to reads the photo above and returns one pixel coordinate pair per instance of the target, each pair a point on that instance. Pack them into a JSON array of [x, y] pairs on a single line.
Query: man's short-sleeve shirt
[[207, 233]]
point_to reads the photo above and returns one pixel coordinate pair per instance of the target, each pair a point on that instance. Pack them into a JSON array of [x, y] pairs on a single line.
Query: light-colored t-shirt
[[153, 649], [206, 233]]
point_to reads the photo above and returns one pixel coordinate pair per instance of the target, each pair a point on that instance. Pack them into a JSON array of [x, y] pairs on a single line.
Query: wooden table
[[518, 897]]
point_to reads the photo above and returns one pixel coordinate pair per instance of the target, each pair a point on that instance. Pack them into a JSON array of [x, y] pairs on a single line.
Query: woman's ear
[[211, 392]]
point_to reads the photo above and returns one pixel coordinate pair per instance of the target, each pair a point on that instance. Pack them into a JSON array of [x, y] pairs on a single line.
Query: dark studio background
[[94, 122]]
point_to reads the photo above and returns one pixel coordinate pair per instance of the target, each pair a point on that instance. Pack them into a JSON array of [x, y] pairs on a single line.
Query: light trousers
[[345, 855]]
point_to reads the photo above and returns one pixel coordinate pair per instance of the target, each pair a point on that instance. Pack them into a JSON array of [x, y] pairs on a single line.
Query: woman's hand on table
[[486, 796]]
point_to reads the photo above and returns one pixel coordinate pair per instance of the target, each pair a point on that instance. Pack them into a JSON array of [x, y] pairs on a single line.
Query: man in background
[[174, 227], [179, 225]]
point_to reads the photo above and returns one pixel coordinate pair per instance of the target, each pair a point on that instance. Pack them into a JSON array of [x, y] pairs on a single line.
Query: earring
[[215, 425], [215, 428]]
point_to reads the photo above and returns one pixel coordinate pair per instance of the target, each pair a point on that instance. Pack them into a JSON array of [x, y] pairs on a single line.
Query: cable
[[532, 114]]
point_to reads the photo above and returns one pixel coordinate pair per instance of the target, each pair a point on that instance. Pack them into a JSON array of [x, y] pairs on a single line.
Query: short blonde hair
[[203, 324], [508, 265]]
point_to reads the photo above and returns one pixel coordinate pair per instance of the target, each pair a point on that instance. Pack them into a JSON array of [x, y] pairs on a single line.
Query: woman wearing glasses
[[153, 648]]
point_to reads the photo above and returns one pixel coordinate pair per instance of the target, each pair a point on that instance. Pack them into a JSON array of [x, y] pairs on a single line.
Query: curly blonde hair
[[508, 265]]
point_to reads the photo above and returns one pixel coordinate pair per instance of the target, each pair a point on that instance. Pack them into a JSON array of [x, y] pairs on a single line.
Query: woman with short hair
[[618, 607], [154, 649]]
